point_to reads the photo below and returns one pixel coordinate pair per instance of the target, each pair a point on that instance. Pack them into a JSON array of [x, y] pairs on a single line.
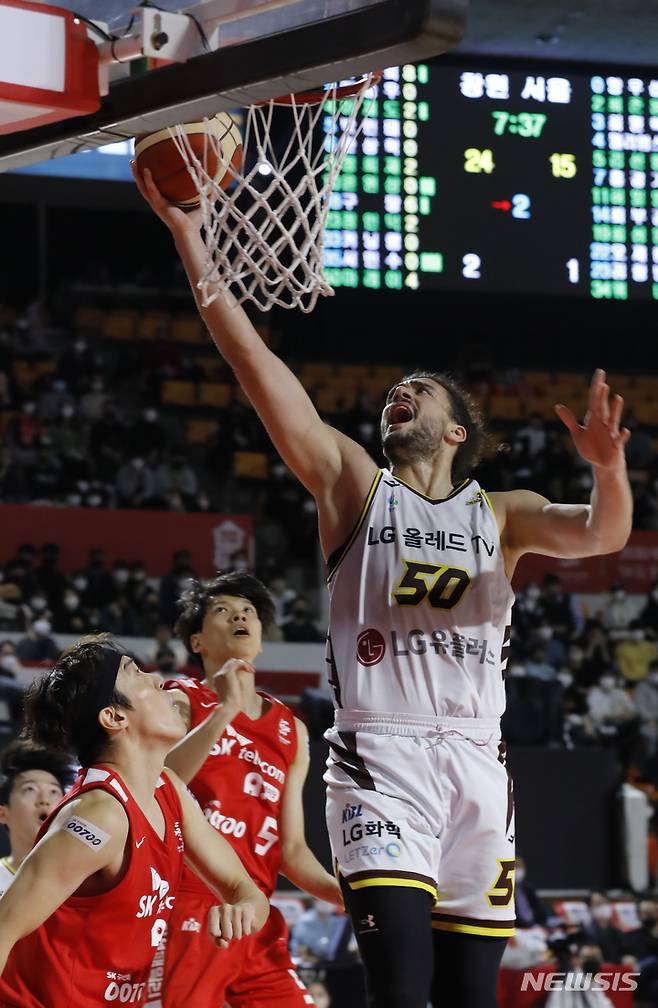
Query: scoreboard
[[517, 180]]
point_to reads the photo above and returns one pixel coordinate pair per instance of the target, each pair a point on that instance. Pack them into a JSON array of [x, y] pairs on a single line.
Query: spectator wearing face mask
[[574, 709], [75, 364], [53, 400], [596, 654], [601, 931], [134, 483], [537, 667], [614, 719], [643, 941], [560, 607], [645, 698], [70, 617], [527, 905], [147, 435], [10, 665], [37, 604], [79, 584], [618, 612], [642, 944], [635, 654], [37, 645], [70, 438], [93, 401], [175, 476], [554, 650]]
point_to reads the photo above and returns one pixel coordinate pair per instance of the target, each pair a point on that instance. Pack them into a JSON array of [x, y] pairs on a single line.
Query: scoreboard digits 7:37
[[511, 180]]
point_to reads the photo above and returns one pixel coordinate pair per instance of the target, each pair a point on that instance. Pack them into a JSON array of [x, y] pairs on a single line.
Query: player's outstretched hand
[[175, 218], [599, 439], [229, 685], [231, 921]]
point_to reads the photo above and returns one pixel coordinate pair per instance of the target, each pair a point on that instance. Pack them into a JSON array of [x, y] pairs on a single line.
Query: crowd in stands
[[577, 677], [88, 420], [39, 600], [593, 933], [614, 933]]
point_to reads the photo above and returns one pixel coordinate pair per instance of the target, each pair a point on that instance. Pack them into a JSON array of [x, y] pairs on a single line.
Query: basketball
[[216, 143]]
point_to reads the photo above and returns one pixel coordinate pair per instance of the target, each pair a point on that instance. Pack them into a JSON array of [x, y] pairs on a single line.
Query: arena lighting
[[48, 66]]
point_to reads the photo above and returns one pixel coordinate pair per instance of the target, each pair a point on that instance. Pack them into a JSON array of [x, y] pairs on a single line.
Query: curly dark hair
[[479, 443], [196, 599], [57, 703], [21, 756]]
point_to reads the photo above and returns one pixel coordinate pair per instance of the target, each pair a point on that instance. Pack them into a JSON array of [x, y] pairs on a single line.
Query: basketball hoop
[[264, 233]]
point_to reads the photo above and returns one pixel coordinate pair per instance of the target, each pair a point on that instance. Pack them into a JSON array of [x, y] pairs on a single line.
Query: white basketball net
[[264, 237]]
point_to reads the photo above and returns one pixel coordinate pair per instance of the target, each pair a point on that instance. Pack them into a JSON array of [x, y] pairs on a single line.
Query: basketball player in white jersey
[[32, 781], [420, 560]]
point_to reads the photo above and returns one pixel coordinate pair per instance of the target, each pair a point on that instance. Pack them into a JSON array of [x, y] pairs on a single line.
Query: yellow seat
[[150, 324], [646, 387], [250, 464], [43, 367], [119, 324], [198, 431], [214, 394], [188, 328], [505, 407], [179, 393], [646, 412]]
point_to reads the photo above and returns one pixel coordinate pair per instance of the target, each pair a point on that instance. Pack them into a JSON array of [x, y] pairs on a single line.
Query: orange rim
[[332, 94]]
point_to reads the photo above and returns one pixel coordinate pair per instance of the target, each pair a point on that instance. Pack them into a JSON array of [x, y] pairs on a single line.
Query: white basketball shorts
[[426, 803]]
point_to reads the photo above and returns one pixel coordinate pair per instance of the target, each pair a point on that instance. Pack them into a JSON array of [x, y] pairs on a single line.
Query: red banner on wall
[[636, 567], [148, 537]]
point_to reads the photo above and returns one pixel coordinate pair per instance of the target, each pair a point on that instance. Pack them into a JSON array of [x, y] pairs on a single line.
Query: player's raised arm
[[533, 525], [244, 909], [60, 863], [188, 756], [316, 452]]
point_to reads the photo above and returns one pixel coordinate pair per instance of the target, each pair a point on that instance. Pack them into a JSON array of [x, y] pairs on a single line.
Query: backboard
[[230, 53]]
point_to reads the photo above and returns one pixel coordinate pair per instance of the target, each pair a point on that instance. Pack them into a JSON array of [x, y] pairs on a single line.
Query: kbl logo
[[352, 812]]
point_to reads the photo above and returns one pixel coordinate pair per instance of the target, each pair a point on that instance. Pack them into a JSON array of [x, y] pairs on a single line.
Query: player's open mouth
[[241, 632], [399, 412], [43, 816]]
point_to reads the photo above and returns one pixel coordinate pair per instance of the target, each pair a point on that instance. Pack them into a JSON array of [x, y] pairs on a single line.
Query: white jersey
[[420, 606], [7, 875]]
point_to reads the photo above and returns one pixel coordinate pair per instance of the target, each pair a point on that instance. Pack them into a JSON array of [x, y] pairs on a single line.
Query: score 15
[[563, 165]]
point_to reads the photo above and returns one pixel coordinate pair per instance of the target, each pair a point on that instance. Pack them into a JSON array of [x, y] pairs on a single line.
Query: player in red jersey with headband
[[87, 909], [245, 760]]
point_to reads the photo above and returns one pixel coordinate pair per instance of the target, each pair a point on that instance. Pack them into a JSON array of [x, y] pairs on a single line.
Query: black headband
[[102, 689]]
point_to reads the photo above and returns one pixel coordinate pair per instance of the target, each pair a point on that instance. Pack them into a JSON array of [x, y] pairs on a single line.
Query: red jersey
[[97, 950], [240, 785]]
